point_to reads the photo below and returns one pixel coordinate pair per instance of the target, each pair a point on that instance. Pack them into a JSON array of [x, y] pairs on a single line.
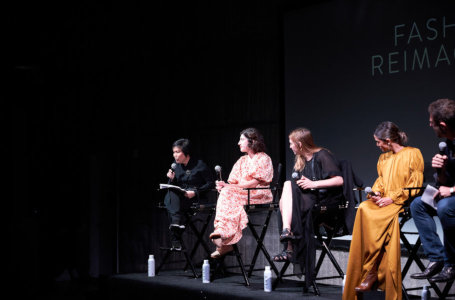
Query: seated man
[[442, 258]]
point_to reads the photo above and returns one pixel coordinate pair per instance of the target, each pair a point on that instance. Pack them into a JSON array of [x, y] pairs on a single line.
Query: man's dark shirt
[[195, 176]]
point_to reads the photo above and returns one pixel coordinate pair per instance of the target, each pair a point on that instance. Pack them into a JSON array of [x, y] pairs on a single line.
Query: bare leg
[[217, 243], [286, 205]]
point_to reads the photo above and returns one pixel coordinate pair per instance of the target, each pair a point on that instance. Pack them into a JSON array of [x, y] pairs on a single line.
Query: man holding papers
[[442, 257]]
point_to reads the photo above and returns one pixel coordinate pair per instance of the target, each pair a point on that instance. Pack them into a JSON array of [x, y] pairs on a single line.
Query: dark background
[[330, 87], [98, 92]]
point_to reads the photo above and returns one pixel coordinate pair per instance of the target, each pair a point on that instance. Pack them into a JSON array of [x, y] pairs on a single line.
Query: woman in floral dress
[[252, 170]]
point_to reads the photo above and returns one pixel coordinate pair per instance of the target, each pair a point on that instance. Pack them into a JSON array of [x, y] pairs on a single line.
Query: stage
[[180, 284]]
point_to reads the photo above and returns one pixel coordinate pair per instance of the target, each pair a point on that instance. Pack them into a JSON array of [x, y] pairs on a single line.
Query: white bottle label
[[206, 273], [267, 281], [151, 268]]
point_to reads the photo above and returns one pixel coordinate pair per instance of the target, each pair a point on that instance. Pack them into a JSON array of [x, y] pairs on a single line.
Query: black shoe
[[177, 227], [286, 235], [447, 274], [433, 268], [176, 246]]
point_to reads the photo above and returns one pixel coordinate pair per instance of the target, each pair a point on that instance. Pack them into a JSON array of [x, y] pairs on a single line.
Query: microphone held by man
[[171, 173]]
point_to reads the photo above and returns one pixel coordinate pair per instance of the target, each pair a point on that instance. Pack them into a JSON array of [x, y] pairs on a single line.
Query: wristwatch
[[451, 190]]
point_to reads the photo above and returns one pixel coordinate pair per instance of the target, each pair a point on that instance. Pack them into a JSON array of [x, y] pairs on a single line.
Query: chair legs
[[171, 250], [220, 263]]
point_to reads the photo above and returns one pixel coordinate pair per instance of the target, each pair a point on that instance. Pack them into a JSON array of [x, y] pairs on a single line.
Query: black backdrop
[[97, 93]]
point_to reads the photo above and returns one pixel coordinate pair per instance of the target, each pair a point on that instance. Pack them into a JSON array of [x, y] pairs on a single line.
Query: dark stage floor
[[180, 284]]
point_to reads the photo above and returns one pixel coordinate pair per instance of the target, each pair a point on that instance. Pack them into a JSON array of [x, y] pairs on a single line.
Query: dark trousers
[[177, 206]]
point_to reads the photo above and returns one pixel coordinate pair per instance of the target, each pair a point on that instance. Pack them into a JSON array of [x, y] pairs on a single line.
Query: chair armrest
[[258, 188]]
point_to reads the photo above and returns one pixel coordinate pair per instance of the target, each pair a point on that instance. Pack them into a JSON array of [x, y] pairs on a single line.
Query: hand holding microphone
[[170, 173], [369, 192], [439, 160], [218, 172], [377, 197], [306, 183]]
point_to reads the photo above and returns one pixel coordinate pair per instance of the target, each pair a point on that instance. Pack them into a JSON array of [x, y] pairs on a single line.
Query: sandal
[[286, 235], [221, 251], [284, 256]]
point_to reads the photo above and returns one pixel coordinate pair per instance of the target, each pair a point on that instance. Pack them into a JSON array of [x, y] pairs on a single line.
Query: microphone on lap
[[295, 175], [369, 191], [173, 166]]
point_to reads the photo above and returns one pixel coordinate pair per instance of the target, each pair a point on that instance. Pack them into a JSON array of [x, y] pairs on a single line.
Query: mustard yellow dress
[[377, 228]]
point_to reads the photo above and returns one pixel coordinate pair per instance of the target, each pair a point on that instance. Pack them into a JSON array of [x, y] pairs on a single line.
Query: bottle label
[[206, 273], [267, 281]]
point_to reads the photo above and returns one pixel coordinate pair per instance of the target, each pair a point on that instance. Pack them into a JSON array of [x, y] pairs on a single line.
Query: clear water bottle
[[206, 271], [151, 266], [426, 295], [267, 279]]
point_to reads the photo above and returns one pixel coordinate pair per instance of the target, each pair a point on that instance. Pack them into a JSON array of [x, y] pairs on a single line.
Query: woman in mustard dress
[[374, 256]]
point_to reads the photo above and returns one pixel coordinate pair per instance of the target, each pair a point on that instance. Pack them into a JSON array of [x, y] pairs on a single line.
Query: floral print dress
[[231, 217]]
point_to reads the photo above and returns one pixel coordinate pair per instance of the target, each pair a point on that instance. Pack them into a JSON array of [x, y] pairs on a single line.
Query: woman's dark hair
[[255, 139], [183, 144], [388, 130]]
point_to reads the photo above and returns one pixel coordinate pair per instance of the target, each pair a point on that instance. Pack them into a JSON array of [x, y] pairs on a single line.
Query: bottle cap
[[206, 261], [151, 256], [267, 268]]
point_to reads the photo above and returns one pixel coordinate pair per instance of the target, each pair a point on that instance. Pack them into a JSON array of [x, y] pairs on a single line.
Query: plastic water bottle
[[151, 266], [206, 271], [267, 279], [426, 295], [344, 282]]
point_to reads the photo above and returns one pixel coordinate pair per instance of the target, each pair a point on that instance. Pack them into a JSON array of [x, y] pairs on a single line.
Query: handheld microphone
[[369, 191], [442, 148], [295, 175], [218, 172], [173, 166]]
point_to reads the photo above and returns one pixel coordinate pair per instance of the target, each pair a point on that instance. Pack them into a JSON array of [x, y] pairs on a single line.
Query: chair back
[[275, 186]]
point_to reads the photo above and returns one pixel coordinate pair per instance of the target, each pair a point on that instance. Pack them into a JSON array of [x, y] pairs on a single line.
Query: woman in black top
[[192, 175], [316, 182]]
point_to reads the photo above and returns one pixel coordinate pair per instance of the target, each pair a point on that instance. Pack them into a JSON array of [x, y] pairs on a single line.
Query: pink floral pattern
[[230, 217]]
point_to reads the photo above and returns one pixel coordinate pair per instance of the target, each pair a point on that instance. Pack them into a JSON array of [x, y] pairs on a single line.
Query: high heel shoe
[[369, 282]]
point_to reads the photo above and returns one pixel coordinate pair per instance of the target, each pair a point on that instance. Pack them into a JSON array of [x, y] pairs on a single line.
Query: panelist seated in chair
[[442, 257], [194, 176], [374, 255], [317, 181], [252, 170]]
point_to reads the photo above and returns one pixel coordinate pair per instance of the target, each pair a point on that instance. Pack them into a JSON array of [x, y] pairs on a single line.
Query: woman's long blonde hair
[[304, 140]]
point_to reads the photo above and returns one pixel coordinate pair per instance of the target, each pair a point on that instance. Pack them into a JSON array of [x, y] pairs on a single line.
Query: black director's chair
[[170, 250], [191, 219], [200, 209], [251, 209], [220, 266], [330, 222], [412, 250]]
